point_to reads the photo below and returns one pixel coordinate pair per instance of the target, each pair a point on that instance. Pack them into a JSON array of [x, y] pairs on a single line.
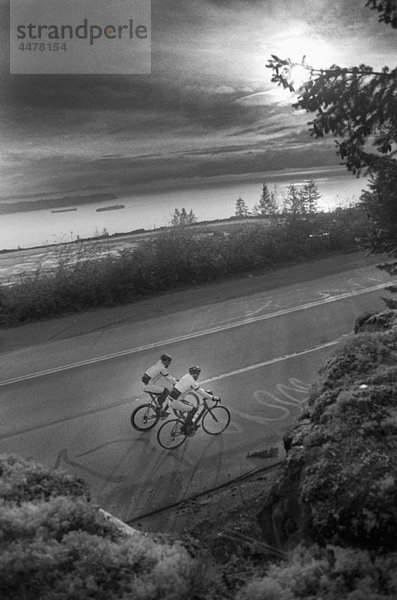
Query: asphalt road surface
[[67, 402]]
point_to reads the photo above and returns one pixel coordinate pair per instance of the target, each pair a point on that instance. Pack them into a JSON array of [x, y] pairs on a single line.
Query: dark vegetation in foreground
[[330, 514], [178, 257]]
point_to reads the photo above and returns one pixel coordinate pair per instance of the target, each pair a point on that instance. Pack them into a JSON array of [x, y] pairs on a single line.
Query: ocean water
[[209, 200]]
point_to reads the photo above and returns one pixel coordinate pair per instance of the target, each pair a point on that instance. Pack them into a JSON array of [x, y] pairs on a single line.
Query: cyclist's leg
[[187, 408], [154, 389], [163, 397]]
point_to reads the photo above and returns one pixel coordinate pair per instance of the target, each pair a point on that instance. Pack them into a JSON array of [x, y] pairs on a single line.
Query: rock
[[266, 453], [372, 320]]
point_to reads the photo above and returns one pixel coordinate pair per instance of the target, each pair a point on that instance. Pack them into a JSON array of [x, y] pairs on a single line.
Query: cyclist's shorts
[[183, 405], [174, 394]]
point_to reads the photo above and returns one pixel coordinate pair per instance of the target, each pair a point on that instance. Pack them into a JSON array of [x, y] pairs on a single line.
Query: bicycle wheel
[[216, 420], [170, 436], [144, 417]]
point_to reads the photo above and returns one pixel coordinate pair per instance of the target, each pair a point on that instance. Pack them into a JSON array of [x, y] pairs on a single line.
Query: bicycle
[[213, 419], [146, 416]]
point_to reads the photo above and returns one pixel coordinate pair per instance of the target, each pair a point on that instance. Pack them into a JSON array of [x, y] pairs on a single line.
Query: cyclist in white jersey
[[156, 372], [188, 383]]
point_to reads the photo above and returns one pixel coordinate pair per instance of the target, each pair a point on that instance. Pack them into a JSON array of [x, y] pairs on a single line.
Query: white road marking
[[197, 334], [271, 361]]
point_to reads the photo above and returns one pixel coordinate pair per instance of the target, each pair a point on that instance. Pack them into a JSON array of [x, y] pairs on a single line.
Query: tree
[[267, 205], [301, 202], [380, 203], [310, 196], [358, 106], [180, 218], [293, 204], [388, 10], [242, 209]]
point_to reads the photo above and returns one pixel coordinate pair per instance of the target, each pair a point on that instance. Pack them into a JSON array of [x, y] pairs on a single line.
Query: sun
[[301, 41], [299, 74], [305, 51]]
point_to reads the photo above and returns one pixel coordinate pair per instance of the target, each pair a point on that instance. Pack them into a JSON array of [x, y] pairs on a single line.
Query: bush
[[331, 573], [83, 565], [177, 257], [339, 484], [55, 543], [23, 480]]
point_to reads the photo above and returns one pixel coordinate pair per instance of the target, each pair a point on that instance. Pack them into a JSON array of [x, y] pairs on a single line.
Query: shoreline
[[209, 202], [134, 232], [18, 262]]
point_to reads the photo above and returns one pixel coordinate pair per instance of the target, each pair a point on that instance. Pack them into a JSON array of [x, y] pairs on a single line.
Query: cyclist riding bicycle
[[186, 384], [154, 373]]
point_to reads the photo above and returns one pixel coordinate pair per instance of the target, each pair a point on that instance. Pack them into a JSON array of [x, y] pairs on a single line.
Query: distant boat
[[57, 210], [112, 207]]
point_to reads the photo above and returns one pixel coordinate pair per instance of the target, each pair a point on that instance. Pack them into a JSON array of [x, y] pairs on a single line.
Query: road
[[67, 402]]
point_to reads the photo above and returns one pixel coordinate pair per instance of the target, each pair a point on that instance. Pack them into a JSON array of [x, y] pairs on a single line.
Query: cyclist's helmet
[[166, 359], [194, 371]]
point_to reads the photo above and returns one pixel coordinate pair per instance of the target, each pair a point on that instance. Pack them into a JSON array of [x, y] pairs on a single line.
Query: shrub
[[83, 565], [54, 543], [330, 574], [52, 520], [174, 258], [342, 463], [23, 480]]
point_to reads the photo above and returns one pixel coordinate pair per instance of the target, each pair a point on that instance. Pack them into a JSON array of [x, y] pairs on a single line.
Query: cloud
[[209, 86]]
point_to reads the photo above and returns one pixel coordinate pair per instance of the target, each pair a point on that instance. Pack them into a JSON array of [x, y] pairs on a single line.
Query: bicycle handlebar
[[216, 399]]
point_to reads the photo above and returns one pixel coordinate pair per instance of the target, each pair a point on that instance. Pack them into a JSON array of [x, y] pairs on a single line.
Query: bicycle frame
[[147, 415], [173, 433], [201, 414], [153, 399]]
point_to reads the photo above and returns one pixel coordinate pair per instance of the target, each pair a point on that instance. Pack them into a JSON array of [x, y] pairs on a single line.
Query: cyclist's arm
[[203, 393], [168, 377]]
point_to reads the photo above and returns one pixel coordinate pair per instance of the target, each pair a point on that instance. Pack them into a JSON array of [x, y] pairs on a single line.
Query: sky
[[208, 108]]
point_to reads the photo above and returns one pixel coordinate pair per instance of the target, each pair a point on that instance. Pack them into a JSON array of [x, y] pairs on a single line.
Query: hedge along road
[[67, 403]]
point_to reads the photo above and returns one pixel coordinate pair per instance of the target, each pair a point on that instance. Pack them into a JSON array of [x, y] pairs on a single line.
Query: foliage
[[301, 202], [23, 480], [83, 565], [174, 258], [293, 204], [51, 519], [358, 106], [267, 205], [387, 10], [64, 548], [330, 574], [342, 462], [242, 209], [181, 218], [57, 544], [310, 195], [380, 204]]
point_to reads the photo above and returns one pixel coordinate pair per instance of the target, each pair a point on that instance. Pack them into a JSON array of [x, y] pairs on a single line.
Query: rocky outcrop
[[339, 482], [372, 320]]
